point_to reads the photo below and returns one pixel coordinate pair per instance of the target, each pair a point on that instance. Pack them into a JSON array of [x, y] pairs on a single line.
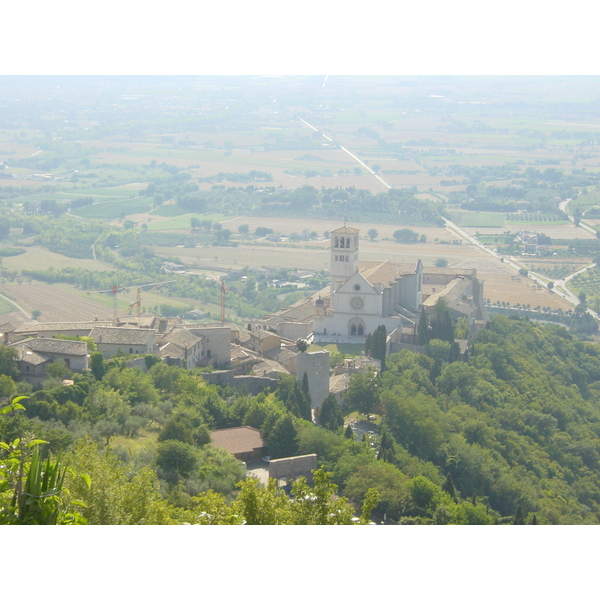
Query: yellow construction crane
[[115, 289], [138, 301], [224, 290]]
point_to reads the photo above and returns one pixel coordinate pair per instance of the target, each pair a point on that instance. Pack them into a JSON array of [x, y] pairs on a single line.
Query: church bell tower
[[344, 256]]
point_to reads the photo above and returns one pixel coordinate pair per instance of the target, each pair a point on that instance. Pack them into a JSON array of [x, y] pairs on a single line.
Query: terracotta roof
[[386, 272], [237, 439], [263, 334], [448, 271], [346, 229], [121, 335], [32, 358], [53, 346], [182, 338], [35, 327], [453, 292]]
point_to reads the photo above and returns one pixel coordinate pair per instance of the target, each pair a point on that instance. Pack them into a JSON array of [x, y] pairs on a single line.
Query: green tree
[[372, 233], [387, 447], [363, 393], [319, 505], [406, 236], [97, 365], [176, 459], [330, 415], [8, 361], [260, 505], [59, 370], [379, 345], [110, 493], [441, 325], [8, 387], [518, 518], [307, 401], [282, 439], [32, 490], [441, 262]]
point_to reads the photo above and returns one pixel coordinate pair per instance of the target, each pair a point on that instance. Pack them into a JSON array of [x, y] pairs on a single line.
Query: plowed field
[[57, 303]]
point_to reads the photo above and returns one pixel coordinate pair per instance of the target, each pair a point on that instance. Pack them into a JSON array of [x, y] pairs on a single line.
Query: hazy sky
[[308, 37]]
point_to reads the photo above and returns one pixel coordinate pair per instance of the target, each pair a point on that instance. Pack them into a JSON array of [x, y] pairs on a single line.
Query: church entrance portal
[[356, 328]]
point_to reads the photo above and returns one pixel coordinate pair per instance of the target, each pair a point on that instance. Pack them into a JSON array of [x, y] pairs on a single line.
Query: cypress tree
[[368, 344], [533, 520], [349, 434], [330, 415], [387, 448], [379, 345], [518, 518], [448, 486], [422, 330], [303, 401]]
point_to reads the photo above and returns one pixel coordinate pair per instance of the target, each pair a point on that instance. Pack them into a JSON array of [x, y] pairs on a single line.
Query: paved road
[[353, 156], [563, 206]]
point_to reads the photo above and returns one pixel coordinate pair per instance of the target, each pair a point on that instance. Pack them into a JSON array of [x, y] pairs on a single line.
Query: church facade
[[366, 294]]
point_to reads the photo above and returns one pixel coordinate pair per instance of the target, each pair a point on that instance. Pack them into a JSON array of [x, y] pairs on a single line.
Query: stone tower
[[344, 256]]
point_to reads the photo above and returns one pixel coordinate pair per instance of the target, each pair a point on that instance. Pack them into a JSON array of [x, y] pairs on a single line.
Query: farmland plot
[[57, 302]]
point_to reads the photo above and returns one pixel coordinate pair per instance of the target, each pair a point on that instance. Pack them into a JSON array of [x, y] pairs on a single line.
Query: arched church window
[[347, 242], [341, 242], [353, 330], [337, 242]]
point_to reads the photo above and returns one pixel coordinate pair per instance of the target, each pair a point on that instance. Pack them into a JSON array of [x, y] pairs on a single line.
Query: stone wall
[[249, 383], [293, 467]]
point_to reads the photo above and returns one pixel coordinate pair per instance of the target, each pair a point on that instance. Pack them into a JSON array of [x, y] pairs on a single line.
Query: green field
[[184, 221], [6, 307], [37, 257], [349, 349], [116, 208], [478, 219]]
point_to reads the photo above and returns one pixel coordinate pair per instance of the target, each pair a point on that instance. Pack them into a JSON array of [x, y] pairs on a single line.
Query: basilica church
[[363, 295]]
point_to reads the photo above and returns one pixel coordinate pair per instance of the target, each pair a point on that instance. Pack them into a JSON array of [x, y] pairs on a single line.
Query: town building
[[35, 355]]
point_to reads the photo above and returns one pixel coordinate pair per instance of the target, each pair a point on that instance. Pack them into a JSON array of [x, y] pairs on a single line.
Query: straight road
[[560, 286]]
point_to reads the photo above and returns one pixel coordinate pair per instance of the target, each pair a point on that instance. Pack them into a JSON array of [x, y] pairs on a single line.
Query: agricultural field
[[57, 302], [588, 283], [565, 231], [36, 257]]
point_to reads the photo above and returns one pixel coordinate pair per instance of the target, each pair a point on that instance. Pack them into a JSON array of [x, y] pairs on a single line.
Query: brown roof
[[386, 272], [453, 292], [121, 335], [345, 229], [70, 326], [183, 338], [237, 439], [54, 346]]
